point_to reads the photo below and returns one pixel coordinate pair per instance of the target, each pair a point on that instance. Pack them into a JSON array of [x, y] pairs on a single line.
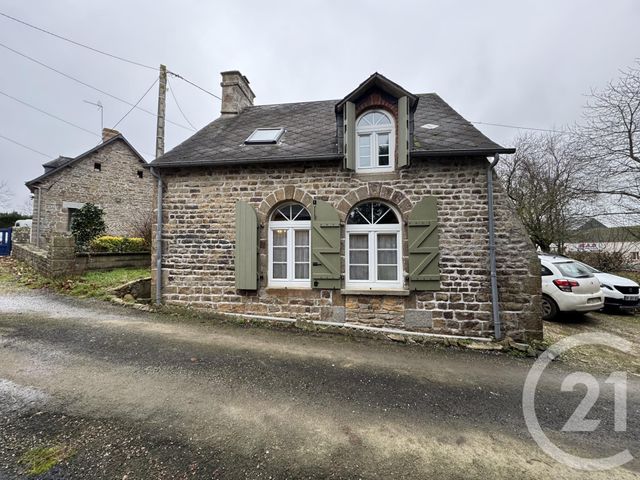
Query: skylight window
[[265, 135]]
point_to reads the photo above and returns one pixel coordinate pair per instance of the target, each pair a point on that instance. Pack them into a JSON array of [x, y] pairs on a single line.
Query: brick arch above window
[[282, 195], [378, 100], [373, 191]]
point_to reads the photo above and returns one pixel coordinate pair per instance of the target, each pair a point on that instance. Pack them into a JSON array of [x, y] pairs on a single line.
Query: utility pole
[[162, 103]]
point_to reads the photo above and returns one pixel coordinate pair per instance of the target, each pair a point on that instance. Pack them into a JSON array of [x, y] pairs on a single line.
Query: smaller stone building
[[112, 175]]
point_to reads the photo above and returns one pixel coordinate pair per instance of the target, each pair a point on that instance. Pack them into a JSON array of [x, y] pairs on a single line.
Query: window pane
[[280, 270], [387, 240], [364, 150], [387, 273], [381, 119], [359, 241], [387, 257], [366, 120], [302, 238], [304, 215], [359, 272], [388, 218], [279, 254], [358, 257], [302, 271], [280, 238]]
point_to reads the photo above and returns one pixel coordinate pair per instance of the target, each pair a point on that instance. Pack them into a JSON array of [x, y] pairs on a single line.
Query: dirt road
[[127, 394]]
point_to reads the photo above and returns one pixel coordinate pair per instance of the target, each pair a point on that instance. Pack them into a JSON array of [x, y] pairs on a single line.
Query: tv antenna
[[101, 108]]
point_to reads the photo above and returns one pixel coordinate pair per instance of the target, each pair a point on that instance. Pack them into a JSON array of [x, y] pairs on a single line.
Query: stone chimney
[[108, 134], [236, 93]]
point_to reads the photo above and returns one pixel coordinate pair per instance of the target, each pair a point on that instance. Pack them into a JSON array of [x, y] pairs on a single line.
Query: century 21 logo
[[578, 422]]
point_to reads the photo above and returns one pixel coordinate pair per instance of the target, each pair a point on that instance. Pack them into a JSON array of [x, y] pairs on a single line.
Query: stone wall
[[199, 230], [116, 188], [60, 258]]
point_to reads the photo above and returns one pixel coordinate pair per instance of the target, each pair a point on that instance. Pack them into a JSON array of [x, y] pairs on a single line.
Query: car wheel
[[549, 308]]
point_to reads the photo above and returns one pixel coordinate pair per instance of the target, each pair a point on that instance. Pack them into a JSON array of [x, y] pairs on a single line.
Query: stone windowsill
[[396, 293]]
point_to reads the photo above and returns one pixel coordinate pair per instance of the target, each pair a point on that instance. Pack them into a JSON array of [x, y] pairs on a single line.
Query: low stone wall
[[60, 258], [108, 261]]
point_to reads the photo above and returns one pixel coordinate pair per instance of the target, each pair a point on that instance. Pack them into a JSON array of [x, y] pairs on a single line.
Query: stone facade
[[116, 187], [199, 236]]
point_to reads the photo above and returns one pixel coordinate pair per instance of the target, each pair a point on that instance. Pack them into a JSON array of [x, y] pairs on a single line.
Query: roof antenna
[[101, 108]]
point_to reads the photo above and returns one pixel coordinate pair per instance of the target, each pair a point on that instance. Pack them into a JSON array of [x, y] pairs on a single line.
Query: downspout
[[39, 216], [495, 307], [158, 239]]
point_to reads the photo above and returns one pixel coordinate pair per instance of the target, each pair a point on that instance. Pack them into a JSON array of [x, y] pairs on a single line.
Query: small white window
[[375, 132], [374, 247], [265, 135], [290, 247]]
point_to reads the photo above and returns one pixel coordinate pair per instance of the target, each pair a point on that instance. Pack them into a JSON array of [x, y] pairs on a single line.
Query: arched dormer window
[[375, 132], [289, 246]]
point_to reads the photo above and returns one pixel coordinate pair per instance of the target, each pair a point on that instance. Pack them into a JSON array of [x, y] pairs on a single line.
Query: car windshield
[[573, 270]]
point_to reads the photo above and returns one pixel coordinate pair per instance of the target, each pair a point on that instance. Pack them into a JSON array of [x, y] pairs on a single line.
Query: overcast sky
[[509, 62]]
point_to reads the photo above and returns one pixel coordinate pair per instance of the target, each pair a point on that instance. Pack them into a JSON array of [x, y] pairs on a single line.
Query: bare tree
[[609, 138], [541, 179]]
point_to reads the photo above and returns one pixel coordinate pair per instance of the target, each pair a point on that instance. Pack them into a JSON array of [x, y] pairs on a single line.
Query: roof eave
[[244, 161], [381, 81], [462, 152]]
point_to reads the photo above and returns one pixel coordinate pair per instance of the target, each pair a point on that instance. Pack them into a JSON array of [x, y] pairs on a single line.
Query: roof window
[[265, 135]]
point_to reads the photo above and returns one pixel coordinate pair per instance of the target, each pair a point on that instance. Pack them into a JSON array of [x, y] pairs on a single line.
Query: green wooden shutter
[[424, 253], [325, 246], [349, 149], [246, 253], [403, 132]]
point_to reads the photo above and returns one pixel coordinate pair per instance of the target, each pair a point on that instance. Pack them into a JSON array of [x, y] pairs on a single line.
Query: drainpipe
[[158, 239], [495, 307], [39, 216]]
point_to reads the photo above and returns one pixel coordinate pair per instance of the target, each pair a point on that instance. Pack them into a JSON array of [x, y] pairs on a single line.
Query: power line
[[102, 52], [48, 114], [136, 104], [117, 57], [520, 128], [25, 146], [87, 85], [178, 105]]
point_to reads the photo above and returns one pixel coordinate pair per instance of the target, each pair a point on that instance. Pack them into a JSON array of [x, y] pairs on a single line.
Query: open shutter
[[246, 253], [349, 149], [325, 246], [403, 132], [424, 253]]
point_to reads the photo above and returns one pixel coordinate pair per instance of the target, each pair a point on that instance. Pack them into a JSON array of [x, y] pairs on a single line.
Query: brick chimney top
[[108, 134], [236, 93]]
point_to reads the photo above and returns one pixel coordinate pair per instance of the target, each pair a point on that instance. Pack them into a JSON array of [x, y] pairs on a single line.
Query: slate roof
[[54, 166], [311, 134]]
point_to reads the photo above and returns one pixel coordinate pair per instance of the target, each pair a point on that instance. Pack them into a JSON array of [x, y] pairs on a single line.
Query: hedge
[[111, 244]]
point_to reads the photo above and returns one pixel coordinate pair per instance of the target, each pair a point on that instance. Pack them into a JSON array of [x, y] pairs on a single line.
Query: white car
[[568, 286], [619, 292], [23, 223]]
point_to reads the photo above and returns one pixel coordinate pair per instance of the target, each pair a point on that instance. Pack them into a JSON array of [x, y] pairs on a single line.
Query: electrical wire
[[177, 104], [520, 128], [88, 85], [117, 57], [25, 146], [136, 104], [102, 52], [26, 104]]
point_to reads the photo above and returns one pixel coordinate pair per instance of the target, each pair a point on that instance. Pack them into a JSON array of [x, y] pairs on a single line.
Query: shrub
[[86, 224], [112, 244], [605, 261]]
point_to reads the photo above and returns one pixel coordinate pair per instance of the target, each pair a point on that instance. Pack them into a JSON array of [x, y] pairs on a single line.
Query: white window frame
[[291, 226], [372, 230], [373, 131]]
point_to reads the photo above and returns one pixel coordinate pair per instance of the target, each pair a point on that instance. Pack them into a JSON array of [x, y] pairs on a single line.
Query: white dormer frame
[[374, 134]]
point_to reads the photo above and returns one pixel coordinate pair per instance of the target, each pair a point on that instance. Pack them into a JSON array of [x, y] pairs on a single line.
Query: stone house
[[370, 210], [112, 175]]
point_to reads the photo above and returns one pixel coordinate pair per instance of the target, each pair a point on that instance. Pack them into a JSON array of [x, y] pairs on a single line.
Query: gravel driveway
[[132, 395]]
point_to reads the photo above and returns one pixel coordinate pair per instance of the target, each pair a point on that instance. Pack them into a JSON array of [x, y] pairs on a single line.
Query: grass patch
[[97, 284], [42, 459]]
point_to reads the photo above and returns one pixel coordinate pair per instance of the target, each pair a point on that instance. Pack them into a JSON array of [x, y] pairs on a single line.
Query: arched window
[[374, 247], [289, 246], [375, 133]]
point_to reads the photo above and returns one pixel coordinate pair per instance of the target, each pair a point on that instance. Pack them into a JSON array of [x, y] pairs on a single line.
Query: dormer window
[[375, 150], [265, 136]]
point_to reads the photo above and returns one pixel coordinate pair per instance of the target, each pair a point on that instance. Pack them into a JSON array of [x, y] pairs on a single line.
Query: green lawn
[[96, 284]]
